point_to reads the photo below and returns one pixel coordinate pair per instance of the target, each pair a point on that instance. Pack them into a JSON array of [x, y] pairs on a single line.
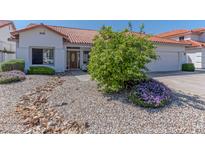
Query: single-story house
[[196, 37], [66, 48]]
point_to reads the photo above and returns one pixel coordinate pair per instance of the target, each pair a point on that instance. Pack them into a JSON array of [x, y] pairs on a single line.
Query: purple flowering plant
[[11, 76], [150, 93]]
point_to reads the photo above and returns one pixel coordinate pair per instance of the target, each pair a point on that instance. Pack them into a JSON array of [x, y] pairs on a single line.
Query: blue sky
[[151, 26]]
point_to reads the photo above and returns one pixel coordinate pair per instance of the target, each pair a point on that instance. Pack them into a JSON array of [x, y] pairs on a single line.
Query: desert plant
[[118, 57], [188, 67], [150, 93], [43, 70], [16, 64], [11, 76]]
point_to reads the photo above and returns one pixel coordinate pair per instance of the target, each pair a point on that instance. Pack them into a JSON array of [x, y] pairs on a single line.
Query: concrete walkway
[[80, 75]]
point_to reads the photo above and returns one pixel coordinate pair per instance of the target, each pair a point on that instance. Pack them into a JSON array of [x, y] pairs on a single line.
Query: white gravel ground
[[9, 95], [81, 101], [115, 114]]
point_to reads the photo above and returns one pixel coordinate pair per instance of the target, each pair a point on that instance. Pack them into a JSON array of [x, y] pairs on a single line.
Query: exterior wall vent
[[42, 33]]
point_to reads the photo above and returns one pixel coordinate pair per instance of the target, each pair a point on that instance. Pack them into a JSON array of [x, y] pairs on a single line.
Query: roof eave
[[172, 43], [173, 35], [197, 47], [10, 23], [36, 26]]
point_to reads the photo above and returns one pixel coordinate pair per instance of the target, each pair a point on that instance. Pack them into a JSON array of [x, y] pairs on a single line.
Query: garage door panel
[[168, 61], [196, 59]]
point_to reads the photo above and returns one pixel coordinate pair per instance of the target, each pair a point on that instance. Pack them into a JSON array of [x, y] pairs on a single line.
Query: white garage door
[[168, 61], [196, 59]]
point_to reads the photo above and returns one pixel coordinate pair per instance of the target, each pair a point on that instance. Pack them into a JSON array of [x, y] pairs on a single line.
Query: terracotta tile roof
[[198, 30], [174, 33], [75, 35], [84, 36], [32, 26], [163, 40], [168, 41], [194, 43], [5, 23], [181, 32]]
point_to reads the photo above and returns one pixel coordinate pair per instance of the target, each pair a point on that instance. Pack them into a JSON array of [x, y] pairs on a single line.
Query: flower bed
[[11, 76], [150, 93]]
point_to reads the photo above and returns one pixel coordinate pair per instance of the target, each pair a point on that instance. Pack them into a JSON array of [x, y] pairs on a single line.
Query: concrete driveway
[[187, 82]]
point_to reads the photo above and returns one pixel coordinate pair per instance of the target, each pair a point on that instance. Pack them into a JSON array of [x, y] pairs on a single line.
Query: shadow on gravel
[[191, 100], [120, 97], [179, 99]]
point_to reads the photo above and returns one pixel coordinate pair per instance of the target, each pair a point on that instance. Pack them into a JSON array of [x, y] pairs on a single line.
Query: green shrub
[[41, 70], [10, 65], [188, 67], [119, 57]]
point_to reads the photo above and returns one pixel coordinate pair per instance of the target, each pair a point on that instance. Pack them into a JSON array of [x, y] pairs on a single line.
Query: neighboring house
[[7, 48], [68, 48], [196, 37]]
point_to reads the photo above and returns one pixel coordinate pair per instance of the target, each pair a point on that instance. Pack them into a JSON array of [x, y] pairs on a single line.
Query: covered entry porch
[[77, 57]]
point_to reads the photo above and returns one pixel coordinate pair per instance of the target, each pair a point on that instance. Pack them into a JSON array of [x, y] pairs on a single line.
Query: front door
[[73, 60]]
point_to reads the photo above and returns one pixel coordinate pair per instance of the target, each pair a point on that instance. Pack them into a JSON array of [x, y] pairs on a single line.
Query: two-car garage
[[170, 58], [167, 61]]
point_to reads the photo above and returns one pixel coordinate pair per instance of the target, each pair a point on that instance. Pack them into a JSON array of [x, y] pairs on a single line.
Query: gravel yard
[[9, 95], [115, 114], [81, 101]]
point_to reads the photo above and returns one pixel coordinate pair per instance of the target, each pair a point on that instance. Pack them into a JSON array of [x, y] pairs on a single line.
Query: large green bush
[[119, 57], [41, 70], [16, 64], [188, 67]]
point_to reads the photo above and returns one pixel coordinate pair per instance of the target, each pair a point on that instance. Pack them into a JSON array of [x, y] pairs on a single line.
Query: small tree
[[118, 57], [130, 26], [141, 28]]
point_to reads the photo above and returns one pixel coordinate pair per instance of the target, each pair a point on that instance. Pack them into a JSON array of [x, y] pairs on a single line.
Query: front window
[[181, 38], [85, 57], [42, 56]]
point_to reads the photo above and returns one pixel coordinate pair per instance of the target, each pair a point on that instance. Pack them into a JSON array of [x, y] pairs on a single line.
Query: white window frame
[[44, 48]]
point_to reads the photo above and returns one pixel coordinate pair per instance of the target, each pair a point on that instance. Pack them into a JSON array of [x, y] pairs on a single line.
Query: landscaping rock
[[39, 117], [103, 113], [9, 96]]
